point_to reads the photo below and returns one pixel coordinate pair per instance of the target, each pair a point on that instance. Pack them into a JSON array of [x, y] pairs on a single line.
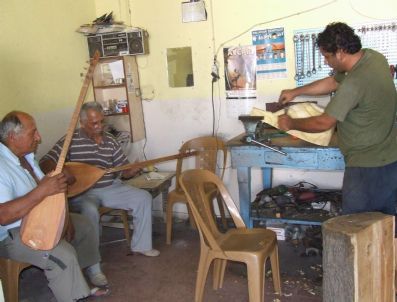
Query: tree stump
[[358, 258]]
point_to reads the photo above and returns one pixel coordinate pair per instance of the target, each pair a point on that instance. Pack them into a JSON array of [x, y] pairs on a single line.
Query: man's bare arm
[[312, 124], [320, 87], [16, 209]]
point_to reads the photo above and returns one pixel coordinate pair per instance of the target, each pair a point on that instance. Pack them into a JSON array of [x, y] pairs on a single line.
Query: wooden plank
[[358, 258]]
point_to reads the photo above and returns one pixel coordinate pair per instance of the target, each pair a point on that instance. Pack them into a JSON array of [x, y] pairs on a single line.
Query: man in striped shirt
[[92, 145]]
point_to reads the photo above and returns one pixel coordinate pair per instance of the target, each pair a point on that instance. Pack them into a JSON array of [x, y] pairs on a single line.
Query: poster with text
[[240, 72], [270, 53]]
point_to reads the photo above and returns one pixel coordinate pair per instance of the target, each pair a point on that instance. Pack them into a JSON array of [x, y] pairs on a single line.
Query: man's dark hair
[[337, 36], [10, 124]]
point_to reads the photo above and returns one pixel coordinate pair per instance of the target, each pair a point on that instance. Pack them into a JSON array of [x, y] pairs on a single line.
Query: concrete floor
[[171, 277]]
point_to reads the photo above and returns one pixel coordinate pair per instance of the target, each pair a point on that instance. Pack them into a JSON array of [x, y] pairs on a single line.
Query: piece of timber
[[87, 175], [43, 226], [275, 106], [358, 258]]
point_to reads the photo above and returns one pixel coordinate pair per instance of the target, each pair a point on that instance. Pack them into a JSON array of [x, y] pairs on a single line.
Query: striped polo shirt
[[83, 149]]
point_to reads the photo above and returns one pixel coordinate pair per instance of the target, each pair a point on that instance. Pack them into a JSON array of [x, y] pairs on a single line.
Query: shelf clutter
[[116, 88], [102, 24]]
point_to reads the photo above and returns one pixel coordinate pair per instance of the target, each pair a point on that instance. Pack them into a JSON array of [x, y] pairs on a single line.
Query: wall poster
[[240, 72], [270, 52]]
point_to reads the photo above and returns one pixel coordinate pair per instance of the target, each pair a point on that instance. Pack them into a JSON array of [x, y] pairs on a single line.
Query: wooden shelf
[[117, 113], [110, 86], [126, 88]]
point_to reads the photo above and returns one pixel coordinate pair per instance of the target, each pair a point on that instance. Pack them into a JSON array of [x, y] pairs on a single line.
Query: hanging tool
[[314, 53], [309, 68], [296, 39], [302, 59], [319, 68]]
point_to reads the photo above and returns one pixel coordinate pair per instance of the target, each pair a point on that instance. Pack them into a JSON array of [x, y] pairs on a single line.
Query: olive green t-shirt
[[365, 108]]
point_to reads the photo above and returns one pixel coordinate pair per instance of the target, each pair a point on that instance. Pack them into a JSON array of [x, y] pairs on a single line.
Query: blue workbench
[[300, 155]]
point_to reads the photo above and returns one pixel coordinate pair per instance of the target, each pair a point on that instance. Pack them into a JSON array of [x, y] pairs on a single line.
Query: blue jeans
[[370, 189]]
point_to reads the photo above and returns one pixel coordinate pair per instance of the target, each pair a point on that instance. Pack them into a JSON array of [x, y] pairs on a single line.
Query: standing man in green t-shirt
[[363, 108]]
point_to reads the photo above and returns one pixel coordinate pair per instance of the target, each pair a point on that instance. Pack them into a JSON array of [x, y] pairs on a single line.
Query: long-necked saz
[[87, 175], [43, 227]]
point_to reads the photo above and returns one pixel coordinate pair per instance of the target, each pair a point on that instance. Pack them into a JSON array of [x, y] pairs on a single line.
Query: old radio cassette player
[[131, 42]]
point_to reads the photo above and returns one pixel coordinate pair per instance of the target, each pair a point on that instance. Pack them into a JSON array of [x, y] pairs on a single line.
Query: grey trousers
[[62, 265], [120, 196]]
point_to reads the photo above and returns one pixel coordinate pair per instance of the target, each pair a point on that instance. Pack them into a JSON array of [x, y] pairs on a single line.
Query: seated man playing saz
[[22, 187], [92, 145]]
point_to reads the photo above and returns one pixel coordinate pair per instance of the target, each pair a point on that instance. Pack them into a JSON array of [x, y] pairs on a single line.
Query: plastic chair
[[124, 217], [251, 246], [9, 274], [206, 159]]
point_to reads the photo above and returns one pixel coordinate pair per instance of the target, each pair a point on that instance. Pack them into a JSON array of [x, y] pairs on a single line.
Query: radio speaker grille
[[118, 44], [137, 43]]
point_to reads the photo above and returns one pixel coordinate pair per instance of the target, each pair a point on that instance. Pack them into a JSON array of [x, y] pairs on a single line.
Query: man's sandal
[[97, 292]]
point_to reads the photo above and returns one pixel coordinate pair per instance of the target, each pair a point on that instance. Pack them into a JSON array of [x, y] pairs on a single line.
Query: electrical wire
[[273, 20], [219, 110], [215, 129], [144, 123], [212, 27], [366, 16], [213, 108]]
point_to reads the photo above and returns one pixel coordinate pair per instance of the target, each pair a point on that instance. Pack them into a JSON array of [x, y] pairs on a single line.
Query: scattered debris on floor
[[301, 282]]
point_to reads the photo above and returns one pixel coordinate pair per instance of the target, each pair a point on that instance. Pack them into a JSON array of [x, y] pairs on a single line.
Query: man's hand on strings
[[50, 185], [71, 179]]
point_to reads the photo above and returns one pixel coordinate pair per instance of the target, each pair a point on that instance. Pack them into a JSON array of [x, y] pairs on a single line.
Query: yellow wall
[[227, 19], [41, 54], [42, 57]]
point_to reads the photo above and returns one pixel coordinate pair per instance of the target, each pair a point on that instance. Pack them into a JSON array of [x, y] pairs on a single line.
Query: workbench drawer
[[305, 160]]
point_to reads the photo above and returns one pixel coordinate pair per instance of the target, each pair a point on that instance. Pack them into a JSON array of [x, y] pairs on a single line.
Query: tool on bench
[[275, 149], [251, 125]]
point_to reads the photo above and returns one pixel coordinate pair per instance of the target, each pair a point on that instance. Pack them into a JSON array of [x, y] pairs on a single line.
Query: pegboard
[[309, 63]]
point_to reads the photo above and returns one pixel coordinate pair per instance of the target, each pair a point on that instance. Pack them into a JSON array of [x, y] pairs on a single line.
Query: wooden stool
[[358, 258], [9, 274], [124, 217]]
